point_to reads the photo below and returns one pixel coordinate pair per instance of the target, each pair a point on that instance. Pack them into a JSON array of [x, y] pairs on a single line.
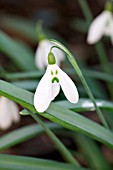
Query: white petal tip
[[38, 107], [74, 99], [5, 126], [91, 41], [17, 119], [40, 110]]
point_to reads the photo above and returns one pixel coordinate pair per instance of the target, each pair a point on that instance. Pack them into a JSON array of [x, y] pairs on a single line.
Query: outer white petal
[[55, 90], [97, 27], [5, 116], [14, 111], [42, 54], [42, 97], [38, 58], [68, 87]]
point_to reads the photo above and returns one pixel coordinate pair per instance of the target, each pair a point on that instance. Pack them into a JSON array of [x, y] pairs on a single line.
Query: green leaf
[[86, 105], [18, 52], [24, 112], [97, 75], [24, 75], [9, 162], [23, 134], [26, 84], [20, 25], [59, 114], [92, 153]]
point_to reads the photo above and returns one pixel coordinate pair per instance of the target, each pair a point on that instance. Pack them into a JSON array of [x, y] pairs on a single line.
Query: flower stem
[[77, 69], [99, 46], [86, 10], [62, 149]]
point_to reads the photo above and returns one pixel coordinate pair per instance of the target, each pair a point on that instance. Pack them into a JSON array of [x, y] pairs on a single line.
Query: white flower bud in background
[[9, 113], [101, 25], [41, 56]]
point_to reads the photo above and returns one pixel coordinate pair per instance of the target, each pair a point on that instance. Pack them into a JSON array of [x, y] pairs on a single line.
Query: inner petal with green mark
[[55, 79]]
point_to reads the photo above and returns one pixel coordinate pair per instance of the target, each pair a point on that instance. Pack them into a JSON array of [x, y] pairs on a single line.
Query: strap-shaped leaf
[[19, 25], [86, 105], [91, 153], [10, 162], [26, 84], [59, 114], [18, 52], [22, 134]]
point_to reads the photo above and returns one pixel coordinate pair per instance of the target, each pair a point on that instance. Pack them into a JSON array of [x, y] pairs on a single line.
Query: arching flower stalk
[[42, 51], [9, 113], [49, 86], [101, 25]]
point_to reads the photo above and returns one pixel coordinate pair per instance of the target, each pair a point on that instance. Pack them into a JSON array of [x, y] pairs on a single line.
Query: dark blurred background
[[60, 16], [56, 14]]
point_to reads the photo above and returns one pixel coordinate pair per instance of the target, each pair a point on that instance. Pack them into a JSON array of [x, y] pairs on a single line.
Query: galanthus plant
[[58, 121], [49, 86], [42, 54], [101, 25], [9, 113]]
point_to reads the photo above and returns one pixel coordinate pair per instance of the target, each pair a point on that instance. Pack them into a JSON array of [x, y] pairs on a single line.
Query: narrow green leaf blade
[[22, 134], [26, 84], [59, 114], [92, 153], [86, 105], [9, 162], [18, 52], [19, 25], [24, 75]]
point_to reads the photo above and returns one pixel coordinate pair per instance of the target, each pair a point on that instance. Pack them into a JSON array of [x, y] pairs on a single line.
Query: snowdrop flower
[[9, 113], [42, 51], [101, 25], [49, 86]]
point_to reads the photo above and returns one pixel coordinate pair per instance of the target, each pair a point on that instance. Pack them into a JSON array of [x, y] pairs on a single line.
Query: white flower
[[42, 54], [49, 87], [9, 113], [101, 25]]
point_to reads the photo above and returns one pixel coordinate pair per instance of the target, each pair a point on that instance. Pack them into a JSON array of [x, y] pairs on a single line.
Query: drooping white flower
[[49, 86], [9, 113], [101, 25], [42, 54]]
